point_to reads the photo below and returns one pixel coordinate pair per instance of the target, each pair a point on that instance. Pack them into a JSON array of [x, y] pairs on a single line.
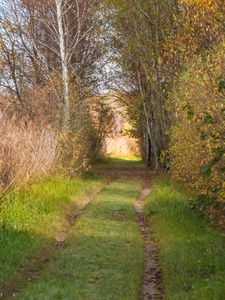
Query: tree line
[[171, 54], [168, 61], [51, 56]]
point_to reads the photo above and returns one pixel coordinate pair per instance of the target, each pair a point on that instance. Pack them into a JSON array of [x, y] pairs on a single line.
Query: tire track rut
[[13, 287], [152, 287]]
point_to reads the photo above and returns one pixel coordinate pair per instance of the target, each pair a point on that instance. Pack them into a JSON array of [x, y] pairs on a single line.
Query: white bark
[[64, 63], [64, 30]]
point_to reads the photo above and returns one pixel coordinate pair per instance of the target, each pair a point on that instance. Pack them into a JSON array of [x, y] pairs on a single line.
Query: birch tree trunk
[[64, 63]]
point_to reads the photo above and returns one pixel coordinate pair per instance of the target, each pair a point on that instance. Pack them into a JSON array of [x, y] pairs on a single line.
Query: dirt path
[[152, 280], [152, 287], [152, 283]]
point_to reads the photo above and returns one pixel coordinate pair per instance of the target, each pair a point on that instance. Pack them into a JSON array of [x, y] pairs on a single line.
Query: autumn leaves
[[173, 57]]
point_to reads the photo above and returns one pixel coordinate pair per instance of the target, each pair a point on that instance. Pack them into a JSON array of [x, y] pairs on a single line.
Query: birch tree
[[64, 57], [57, 37], [70, 24]]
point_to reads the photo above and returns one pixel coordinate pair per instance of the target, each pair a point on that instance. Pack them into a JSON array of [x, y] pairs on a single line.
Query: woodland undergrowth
[[197, 136]]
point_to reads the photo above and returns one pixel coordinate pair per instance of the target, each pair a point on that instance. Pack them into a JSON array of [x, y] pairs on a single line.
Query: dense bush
[[80, 146], [197, 138], [35, 144]]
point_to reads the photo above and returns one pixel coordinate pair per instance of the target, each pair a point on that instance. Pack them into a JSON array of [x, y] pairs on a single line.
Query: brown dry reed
[[121, 146], [26, 152]]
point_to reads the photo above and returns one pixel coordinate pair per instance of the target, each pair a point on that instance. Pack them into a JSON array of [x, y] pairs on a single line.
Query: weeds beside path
[[191, 249]]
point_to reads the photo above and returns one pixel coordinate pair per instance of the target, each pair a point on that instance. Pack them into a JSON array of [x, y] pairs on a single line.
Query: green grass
[[192, 251], [103, 255], [127, 161], [31, 220]]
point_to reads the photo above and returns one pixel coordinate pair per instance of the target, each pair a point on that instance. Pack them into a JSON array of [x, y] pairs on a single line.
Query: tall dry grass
[[121, 146], [26, 151]]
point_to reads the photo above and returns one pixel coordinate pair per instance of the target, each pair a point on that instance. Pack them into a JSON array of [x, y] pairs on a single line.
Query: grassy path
[[103, 254], [110, 251]]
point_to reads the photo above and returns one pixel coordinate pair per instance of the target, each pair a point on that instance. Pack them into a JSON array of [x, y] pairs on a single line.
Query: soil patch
[[131, 172], [152, 287]]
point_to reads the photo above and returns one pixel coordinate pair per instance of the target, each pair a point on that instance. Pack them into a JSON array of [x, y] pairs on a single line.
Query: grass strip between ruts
[[191, 249], [103, 255]]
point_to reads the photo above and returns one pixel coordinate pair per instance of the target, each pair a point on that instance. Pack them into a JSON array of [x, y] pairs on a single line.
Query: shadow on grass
[[18, 247], [119, 162], [101, 259], [113, 192]]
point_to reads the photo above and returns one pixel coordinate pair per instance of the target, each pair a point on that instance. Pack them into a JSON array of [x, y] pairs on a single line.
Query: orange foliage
[[198, 28], [197, 139]]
